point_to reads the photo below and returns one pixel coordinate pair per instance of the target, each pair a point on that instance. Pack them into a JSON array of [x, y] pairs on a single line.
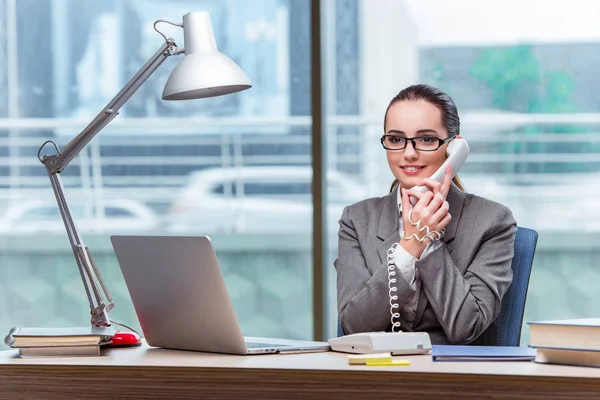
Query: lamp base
[[124, 339]]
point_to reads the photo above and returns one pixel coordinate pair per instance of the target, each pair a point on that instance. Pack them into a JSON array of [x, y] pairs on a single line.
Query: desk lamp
[[202, 72]]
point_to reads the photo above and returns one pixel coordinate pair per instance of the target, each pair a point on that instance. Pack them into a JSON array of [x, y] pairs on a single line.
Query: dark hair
[[438, 98]]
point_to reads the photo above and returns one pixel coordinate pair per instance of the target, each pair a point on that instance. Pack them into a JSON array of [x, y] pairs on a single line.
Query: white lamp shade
[[204, 71], [200, 75]]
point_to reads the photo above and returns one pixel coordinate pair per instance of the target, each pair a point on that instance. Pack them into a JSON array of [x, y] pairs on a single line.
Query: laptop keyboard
[[255, 345]]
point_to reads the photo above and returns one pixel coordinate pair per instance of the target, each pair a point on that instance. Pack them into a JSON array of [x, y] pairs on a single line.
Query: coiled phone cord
[[394, 306], [421, 227]]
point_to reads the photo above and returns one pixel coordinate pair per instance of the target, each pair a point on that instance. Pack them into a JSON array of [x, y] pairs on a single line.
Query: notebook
[[179, 295], [62, 351], [57, 337], [482, 353]]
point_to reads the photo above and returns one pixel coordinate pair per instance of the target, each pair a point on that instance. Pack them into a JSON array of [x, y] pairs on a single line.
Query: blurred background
[[238, 168]]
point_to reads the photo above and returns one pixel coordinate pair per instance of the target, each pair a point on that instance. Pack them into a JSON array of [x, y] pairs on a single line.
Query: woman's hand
[[431, 209]]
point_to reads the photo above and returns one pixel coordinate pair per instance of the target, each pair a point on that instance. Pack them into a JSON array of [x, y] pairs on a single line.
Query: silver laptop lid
[[179, 293]]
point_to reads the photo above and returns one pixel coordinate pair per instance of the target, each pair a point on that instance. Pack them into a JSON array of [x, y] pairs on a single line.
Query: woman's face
[[414, 118]]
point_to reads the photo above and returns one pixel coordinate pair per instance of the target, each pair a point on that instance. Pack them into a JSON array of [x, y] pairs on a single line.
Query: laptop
[[181, 300]]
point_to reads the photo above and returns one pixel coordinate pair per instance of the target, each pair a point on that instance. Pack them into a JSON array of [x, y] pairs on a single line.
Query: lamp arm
[[70, 151], [94, 285]]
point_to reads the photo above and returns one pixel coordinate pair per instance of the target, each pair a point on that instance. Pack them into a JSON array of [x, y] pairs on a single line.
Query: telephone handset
[[457, 151]]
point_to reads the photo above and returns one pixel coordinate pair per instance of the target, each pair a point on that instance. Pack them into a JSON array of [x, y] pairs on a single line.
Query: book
[[566, 334], [482, 353], [573, 357], [50, 337], [59, 351]]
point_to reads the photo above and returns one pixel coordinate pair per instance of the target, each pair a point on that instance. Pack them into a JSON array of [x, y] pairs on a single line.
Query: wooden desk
[[151, 373]]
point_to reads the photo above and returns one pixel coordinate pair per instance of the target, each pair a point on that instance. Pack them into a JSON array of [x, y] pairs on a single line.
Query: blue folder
[[482, 353]]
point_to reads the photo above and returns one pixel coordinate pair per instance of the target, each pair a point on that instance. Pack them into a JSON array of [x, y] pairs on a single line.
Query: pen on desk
[[376, 360], [373, 363], [361, 359]]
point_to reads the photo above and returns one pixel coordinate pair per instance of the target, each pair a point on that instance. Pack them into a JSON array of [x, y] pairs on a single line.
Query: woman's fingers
[[434, 214], [447, 181], [427, 204], [435, 186], [440, 213], [423, 198], [444, 222], [405, 200]]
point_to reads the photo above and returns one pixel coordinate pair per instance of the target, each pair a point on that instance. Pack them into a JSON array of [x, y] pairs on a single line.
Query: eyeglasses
[[421, 143]]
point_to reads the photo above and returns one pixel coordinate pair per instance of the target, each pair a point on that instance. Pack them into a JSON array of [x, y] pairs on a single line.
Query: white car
[[116, 216], [274, 199]]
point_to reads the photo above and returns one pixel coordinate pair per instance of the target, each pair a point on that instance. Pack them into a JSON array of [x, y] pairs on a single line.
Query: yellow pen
[[376, 360], [387, 363], [362, 359]]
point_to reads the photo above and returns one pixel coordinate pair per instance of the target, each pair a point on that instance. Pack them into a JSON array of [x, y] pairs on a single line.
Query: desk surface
[[147, 372]]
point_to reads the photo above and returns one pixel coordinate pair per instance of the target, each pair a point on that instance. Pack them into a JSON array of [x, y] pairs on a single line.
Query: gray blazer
[[462, 282]]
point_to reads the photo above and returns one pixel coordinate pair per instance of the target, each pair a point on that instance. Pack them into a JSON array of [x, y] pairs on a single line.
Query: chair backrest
[[510, 319]]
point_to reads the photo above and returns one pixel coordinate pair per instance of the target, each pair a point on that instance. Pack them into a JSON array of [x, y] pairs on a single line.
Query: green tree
[[520, 84]]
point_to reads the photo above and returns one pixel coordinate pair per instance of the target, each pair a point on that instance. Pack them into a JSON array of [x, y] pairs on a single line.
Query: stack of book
[[58, 342], [566, 342]]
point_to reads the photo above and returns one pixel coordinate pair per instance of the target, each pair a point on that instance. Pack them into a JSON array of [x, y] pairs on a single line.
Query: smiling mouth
[[411, 169]]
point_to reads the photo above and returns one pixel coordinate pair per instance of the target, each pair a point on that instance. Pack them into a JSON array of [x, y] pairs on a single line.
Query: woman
[[449, 283]]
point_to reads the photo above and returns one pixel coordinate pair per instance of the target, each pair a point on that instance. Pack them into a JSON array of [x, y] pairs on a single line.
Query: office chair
[[510, 319]]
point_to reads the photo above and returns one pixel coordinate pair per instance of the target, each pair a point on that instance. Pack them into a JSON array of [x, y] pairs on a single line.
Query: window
[[90, 49], [525, 95], [527, 108]]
